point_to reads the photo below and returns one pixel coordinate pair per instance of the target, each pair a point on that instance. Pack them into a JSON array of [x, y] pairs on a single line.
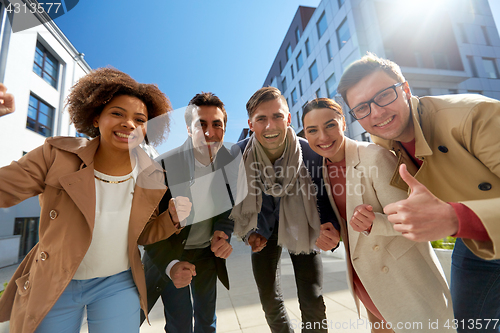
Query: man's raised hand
[[422, 216]]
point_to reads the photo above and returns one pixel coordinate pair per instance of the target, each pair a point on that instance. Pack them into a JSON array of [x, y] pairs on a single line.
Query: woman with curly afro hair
[[99, 200]]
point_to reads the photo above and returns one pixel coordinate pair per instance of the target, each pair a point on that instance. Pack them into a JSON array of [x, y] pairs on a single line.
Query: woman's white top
[[108, 251]]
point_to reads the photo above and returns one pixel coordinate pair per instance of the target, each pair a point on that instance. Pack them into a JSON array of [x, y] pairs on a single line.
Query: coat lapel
[[353, 188], [148, 192], [80, 185]]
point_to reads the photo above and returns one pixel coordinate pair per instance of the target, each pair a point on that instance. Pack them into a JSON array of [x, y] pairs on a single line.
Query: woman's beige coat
[[403, 278], [61, 172]]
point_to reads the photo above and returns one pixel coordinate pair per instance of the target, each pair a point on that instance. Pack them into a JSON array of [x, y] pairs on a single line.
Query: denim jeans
[[112, 306], [308, 270], [475, 290], [179, 309]]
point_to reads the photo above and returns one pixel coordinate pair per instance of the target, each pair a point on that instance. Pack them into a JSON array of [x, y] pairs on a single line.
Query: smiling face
[[324, 130], [207, 132], [391, 122], [122, 123], [269, 122]]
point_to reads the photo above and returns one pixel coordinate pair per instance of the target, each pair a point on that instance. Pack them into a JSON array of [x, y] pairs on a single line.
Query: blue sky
[[188, 46]]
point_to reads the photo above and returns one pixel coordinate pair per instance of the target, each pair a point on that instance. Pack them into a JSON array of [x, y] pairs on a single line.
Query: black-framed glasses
[[383, 98]]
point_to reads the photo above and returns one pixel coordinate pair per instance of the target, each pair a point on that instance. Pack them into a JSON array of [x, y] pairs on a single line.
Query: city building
[[38, 65], [442, 46]]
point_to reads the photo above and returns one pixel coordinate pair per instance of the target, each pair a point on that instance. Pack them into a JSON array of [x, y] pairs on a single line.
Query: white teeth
[[123, 135], [385, 122], [272, 136], [326, 146]]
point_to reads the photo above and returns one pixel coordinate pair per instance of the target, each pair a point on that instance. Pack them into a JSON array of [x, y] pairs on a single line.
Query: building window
[[297, 34], [490, 67], [343, 33], [288, 52], [288, 104], [341, 2], [486, 36], [40, 117], [313, 72], [330, 86], [419, 59], [299, 61], [318, 93], [472, 66], [46, 65], [321, 25], [291, 68], [281, 67], [453, 91], [295, 99], [300, 88], [298, 119], [365, 136], [420, 91], [329, 51], [308, 47], [463, 33], [283, 85], [480, 92], [441, 61]]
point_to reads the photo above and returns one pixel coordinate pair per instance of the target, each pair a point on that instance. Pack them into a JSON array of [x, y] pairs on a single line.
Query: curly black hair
[[91, 93]]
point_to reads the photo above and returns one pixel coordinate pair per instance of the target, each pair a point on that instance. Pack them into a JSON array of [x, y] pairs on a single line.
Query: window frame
[[297, 61], [322, 19], [38, 126], [46, 57], [495, 68], [339, 40], [310, 73]]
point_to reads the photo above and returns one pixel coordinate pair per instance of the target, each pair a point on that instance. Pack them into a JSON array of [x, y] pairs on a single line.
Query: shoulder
[[373, 154], [240, 145], [67, 143], [169, 154], [458, 105], [307, 152]]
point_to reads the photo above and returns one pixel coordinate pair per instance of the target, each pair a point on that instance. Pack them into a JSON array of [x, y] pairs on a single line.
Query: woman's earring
[[96, 124]]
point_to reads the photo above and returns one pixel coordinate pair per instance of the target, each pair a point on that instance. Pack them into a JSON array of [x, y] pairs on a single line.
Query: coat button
[[158, 289], [376, 248], [484, 186], [184, 242], [53, 214], [385, 269], [26, 285], [43, 256], [443, 149]]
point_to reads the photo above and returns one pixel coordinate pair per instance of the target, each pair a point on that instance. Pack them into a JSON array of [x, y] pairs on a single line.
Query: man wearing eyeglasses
[[451, 146]]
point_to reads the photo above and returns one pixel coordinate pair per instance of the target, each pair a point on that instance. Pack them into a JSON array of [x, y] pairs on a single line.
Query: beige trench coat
[[61, 172], [403, 278], [458, 139]]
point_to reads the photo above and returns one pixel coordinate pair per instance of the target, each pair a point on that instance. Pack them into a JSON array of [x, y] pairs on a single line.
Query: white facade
[[442, 46], [17, 57]]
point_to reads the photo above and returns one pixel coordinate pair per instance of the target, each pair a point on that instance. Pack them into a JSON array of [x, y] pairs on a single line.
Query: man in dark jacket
[[199, 170]]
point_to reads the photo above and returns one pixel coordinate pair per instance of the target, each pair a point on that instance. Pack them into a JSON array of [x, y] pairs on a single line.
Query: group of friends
[[433, 171]]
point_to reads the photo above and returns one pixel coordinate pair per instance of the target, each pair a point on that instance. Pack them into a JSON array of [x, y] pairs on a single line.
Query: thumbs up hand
[[422, 216]]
